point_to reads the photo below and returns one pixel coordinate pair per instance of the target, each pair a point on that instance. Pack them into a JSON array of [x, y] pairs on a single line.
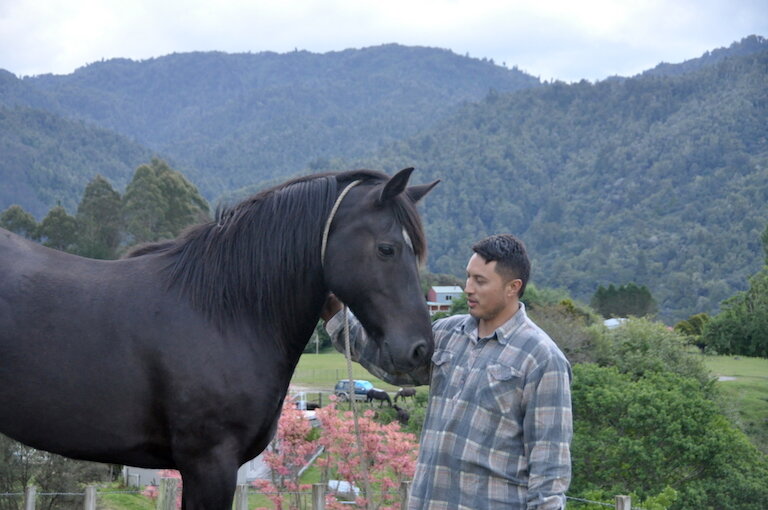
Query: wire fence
[[167, 498]]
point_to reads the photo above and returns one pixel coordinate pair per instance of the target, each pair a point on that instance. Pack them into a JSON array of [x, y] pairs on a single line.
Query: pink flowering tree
[[286, 455], [389, 456]]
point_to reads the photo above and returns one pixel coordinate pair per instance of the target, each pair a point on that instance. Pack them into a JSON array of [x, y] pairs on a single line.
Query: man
[[498, 426]]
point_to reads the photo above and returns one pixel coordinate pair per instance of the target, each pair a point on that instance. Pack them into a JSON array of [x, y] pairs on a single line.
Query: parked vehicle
[[341, 390]]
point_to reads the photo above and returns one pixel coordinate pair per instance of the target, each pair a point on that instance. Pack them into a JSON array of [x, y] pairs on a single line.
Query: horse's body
[[380, 395], [180, 356], [405, 393], [402, 415]]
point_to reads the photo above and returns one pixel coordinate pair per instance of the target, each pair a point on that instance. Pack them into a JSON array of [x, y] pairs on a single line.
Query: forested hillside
[[229, 120], [46, 159], [659, 180]]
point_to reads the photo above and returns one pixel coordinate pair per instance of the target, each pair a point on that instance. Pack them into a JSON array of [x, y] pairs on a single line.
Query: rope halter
[[328, 222]]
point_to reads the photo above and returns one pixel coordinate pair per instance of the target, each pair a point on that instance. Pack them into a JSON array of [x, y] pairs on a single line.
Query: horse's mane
[[245, 264]]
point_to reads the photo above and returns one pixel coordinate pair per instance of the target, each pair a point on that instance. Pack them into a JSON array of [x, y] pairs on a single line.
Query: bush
[[642, 434], [640, 348]]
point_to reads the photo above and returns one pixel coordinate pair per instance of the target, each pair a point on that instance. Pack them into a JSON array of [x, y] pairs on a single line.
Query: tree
[[693, 328], [22, 466], [19, 221], [99, 220], [390, 452], [764, 239], [569, 325], [742, 325], [623, 301], [58, 230], [286, 455], [642, 435], [320, 340], [640, 347], [159, 203]]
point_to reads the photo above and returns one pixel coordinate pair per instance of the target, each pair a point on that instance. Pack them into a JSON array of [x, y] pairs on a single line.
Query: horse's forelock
[[408, 217]]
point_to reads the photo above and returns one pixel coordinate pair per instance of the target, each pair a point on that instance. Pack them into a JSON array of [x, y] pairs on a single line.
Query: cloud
[[560, 39]]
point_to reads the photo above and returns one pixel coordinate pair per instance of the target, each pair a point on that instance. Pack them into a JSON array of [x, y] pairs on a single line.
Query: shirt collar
[[503, 333]]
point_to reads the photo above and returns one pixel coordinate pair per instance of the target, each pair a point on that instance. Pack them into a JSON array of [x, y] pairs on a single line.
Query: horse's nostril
[[419, 351]]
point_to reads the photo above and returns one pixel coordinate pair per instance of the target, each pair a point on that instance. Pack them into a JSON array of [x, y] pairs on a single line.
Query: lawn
[[744, 385]]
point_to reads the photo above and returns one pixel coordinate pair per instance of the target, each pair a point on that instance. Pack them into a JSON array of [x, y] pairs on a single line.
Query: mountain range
[[659, 179]]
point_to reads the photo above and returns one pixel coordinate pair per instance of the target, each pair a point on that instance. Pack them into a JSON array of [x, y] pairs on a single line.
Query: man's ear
[[514, 286]]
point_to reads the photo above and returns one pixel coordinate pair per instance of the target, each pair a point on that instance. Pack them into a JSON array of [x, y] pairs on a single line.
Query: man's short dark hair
[[510, 255]]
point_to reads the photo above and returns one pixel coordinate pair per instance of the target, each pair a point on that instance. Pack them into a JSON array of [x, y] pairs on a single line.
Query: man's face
[[488, 295]]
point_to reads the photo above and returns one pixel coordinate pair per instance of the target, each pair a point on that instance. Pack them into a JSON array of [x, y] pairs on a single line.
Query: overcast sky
[[567, 40]]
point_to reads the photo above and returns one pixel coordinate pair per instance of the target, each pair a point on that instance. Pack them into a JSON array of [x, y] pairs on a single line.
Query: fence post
[[90, 497], [30, 495], [318, 496], [405, 491], [166, 500], [241, 497], [623, 503]]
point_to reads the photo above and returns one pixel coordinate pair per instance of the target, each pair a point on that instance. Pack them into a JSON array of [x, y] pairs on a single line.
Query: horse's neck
[[301, 313]]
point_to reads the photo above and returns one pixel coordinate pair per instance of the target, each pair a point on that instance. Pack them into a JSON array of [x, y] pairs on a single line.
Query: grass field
[[319, 372], [113, 499], [744, 385]]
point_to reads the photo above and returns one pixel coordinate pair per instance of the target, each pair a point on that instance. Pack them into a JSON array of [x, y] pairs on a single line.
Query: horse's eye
[[386, 250]]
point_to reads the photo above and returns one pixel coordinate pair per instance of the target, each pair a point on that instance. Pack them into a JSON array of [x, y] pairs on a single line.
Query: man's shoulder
[[450, 323], [538, 344]]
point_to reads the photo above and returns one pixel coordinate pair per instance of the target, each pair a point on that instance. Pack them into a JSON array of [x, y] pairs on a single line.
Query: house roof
[[442, 289]]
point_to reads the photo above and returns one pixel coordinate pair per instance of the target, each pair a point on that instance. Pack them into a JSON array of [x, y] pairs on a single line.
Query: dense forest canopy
[[659, 179], [234, 119]]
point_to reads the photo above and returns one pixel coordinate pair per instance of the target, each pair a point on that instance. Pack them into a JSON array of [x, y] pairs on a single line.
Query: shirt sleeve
[[364, 350], [547, 432]]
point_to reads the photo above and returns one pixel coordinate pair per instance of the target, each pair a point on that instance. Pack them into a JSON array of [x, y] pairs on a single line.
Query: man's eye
[[386, 250]]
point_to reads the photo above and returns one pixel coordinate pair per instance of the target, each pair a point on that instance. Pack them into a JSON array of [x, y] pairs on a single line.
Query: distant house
[[439, 298]]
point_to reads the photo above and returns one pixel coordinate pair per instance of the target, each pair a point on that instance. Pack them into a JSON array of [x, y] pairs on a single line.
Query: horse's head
[[371, 263]]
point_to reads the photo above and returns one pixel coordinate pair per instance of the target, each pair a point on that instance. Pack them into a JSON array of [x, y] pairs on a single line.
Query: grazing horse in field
[[380, 395], [404, 393], [402, 415], [180, 355]]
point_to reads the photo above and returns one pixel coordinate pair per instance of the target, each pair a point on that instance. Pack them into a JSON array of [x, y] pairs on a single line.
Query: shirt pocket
[[504, 388]]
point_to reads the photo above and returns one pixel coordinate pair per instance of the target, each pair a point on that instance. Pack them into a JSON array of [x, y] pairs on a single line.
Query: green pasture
[[745, 397], [319, 372], [116, 497]]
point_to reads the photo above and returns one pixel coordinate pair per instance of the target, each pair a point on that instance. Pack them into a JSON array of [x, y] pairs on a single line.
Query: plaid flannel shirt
[[498, 426]]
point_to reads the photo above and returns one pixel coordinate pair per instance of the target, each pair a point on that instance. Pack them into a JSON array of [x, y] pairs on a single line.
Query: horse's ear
[[395, 185], [416, 193]]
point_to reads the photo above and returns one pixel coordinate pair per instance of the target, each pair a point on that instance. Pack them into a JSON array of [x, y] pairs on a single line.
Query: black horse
[[180, 356], [380, 395]]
